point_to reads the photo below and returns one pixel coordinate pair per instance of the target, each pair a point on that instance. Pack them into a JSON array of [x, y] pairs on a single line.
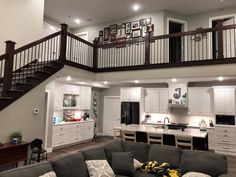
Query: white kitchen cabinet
[[131, 94], [224, 101], [156, 100], [58, 96], [84, 102], [211, 138], [70, 133], [71, 89], [199, 101]]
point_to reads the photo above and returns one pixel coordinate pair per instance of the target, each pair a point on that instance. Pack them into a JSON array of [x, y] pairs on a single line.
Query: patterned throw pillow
[[49, 174], [195, 174], [99, 168], [137, 164]]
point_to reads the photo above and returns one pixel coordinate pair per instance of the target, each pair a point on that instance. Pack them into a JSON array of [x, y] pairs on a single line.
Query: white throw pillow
[[137, 164], [49, 174], [195, 174], [98, 168]]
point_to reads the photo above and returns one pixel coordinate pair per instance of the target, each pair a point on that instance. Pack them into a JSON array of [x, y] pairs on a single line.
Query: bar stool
[[117, 134], [154, 138], [129, 135], [184, 142]]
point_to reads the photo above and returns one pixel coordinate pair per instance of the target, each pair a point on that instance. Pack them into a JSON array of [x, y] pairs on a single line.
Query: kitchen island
[[200, 138]]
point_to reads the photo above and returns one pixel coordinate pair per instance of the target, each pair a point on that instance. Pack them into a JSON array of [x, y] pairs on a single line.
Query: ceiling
[[101, 11]]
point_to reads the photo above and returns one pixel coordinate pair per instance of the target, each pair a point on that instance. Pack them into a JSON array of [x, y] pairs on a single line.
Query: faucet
[[165, 126]]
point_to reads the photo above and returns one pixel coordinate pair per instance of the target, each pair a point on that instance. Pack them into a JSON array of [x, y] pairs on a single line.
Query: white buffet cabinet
[[72, 132]]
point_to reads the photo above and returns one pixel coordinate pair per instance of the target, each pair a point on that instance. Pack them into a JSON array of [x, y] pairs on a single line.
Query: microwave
[[225, 120]]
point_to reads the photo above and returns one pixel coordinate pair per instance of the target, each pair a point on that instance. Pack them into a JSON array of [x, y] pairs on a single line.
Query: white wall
[[21, 21]]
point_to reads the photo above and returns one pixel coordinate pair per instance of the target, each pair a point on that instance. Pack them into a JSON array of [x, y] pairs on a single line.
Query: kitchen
[[192, 106]]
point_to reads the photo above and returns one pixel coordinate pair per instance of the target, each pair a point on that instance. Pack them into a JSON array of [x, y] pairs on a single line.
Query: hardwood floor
[[100, 141]]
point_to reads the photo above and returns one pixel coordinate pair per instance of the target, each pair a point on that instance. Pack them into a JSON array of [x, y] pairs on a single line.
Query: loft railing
[[199, 47]]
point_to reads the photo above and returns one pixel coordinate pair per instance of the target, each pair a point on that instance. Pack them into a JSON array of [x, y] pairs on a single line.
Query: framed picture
[[128, 28], [100, 40], [112, 37], [143, 22], [144, 30], [113, 29], [136, 33], [106, 34], [150, 28], [148, 21], [101, 33], [135, 25], [121, 39]]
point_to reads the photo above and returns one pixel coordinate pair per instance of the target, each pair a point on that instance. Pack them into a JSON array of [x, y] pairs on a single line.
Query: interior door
[[111, 115], [229, 40]]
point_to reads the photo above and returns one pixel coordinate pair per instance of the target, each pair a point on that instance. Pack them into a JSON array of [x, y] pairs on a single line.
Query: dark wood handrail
[[36, 42], [80, 39], [229, 27], [3, 57]]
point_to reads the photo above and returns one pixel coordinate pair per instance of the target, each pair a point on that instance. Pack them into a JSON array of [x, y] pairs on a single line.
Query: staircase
[[26, 78]]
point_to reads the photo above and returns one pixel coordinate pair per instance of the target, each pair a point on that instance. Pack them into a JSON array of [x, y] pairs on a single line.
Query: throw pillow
[[99, 168], [195, 174], [123, 163], [137, 164], [49, 174]]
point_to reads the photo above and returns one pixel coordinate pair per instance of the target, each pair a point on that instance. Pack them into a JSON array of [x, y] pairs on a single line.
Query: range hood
[[178, 95]]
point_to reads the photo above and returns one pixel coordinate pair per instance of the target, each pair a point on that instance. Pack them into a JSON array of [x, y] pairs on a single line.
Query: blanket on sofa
[[160, 170]]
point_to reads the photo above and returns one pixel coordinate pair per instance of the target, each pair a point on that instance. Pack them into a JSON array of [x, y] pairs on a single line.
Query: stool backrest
[[36, 143]]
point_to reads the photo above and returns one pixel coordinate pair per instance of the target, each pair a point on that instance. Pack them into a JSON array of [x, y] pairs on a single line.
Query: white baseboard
[[49, 149]]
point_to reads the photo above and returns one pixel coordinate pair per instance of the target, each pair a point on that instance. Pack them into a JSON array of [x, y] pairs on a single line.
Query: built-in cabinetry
[[199, 101], [211, 138], [224, 101], [156, 100], [133, 94], [85, 98], [225, 139], [69, 133]]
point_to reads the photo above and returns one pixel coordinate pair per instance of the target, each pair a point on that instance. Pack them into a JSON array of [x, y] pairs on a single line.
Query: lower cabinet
[[66, 134], [211, 138]]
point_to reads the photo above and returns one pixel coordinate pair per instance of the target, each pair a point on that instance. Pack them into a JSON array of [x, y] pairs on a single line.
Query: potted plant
[[16, 137]]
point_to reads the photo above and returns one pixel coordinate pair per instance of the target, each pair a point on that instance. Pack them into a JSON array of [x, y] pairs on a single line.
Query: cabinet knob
[[225, 130], [225, 135]]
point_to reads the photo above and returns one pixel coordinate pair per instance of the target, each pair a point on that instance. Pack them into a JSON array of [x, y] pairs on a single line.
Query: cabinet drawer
[[58, 128], [221, 147], [226, 140], [225, 130], [225, 135]]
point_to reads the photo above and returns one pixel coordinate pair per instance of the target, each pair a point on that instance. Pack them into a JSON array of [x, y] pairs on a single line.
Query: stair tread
[[6, 98], [23, 83], [15, 90], [42, 72]]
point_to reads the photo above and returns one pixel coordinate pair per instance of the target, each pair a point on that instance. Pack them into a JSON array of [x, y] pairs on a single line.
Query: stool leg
[[38, 160]]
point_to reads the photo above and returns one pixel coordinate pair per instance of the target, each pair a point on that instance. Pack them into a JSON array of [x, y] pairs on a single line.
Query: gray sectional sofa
[[73, 165]]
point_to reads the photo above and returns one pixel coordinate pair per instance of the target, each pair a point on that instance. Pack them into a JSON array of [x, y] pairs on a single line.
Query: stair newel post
[[147, 49], [95, 54], [220, 39], [8, 69], [63, 42]]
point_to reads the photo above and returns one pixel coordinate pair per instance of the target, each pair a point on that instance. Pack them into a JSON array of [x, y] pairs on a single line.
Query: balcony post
[[8, 69], [147, 49], [220, 40], [63, 41], [95, 55]]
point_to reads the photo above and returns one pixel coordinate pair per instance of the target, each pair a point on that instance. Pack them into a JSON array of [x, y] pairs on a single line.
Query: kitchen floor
[[101, 140]]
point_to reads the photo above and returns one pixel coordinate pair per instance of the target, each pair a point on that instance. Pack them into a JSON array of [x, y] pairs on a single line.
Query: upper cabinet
[[199, 101], [85, 98], [156, 100], [71, 89], [224, 101], [131, 94]]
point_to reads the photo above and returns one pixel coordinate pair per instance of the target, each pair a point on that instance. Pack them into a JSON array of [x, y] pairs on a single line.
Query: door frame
[[211, 19], [108, 97], [47, 93], [185, 25]]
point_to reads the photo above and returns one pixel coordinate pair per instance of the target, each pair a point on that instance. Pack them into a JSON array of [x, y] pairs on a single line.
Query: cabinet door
[[219, 97], [89, 130], [151, 101], [193, 101], [130, 95], [163, 101], [205, 102], [85, 98], [229, 102]]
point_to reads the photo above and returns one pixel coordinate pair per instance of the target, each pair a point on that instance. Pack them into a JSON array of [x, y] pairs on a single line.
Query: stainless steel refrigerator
[[130, 113]]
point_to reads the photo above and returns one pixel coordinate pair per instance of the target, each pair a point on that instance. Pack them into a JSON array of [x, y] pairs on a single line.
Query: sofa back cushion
[[72, 165], [94, 154], [114, 146], [164, 153], [29, 171], [204, 162], [140, 150]]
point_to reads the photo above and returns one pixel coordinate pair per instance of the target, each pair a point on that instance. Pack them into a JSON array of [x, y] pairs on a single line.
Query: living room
[[36, 119]]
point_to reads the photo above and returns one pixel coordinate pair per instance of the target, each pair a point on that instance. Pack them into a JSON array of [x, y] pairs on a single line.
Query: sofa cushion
[[139, 173], [123, 163], [114, 146], [29, 171], [204, 162], [71, 165], [164, 153], [99, 168], [140, 150], [195, 174], [49, 174], [94, 154]]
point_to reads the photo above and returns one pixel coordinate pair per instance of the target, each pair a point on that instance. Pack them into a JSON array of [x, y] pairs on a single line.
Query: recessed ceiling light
[[220, 78], [105, 82], [136, 81], [174, 80], [83, 83], [68, 78], [77, 21], [136, 7], [221, 0]]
